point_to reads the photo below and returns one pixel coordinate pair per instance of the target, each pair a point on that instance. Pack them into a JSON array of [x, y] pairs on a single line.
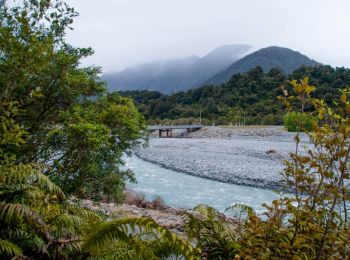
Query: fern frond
[[23, 176], [86, 214], [207, 211], [135, 250], [10, 213], [239, 210], [43, 181], [24, 190], [9, 249], [69, 224], [23, 239], [127, 229], [63, 249]]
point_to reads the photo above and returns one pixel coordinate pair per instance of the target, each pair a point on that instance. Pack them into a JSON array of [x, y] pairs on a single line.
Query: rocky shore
[[169, 217], [165, 216], [250, 156]]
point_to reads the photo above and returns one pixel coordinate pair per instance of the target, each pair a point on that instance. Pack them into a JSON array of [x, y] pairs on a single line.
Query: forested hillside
[[285, 59], [250, 97]]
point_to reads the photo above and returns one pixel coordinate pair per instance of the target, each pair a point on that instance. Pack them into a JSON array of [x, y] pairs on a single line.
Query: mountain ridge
[[175, 75], [214, 68], [285, 59]]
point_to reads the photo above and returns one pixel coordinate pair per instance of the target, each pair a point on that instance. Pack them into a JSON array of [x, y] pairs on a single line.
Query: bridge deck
[[172, 127], [168, 129]]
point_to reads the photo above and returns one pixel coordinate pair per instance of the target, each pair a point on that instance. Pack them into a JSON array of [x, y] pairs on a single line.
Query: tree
[[56, 119], [72, 126], [34, 218]]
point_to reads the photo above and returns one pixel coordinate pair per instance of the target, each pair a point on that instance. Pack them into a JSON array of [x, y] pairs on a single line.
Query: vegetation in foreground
[[61, 133]]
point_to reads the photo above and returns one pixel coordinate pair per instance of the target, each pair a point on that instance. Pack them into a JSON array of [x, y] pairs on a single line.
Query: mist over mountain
[[171, 76], [215, 68], [285, 59]]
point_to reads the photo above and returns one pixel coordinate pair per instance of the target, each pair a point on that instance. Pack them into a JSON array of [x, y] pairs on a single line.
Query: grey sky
[[129, 32]]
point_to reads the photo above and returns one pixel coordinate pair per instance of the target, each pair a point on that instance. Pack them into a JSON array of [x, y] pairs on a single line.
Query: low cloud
[[129, 32]]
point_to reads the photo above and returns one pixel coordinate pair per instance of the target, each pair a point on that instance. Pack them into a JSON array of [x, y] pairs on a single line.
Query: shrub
[[213, 235], [314, 223], [132, 197], [158, 203], [295, 121]]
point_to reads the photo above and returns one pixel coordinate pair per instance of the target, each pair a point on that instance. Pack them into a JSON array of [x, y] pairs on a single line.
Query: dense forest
[[249, 97]]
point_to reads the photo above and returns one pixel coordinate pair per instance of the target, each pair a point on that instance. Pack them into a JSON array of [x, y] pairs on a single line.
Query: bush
[[158, 203], [294, 121], [132, 197]]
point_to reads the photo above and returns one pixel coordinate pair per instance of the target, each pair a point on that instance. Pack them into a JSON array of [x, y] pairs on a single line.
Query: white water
[[180, 190]]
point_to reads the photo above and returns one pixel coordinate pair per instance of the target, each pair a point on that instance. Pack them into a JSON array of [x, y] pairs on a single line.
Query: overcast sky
[[130, 32]]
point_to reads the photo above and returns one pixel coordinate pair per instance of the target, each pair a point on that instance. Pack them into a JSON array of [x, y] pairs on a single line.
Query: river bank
[[135, 205], [251, 156]]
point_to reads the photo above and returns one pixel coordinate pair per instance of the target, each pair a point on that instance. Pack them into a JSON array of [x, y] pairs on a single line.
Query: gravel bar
[[244, 156]]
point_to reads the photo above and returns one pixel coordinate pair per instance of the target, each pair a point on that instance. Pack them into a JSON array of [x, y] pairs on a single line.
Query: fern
[[211, 233], [82, 212], [66, 224], [122, 250], [33, 217], [11, 213], [239, 211], [25, 176], [23, 238], [9, 249], [127, 229]]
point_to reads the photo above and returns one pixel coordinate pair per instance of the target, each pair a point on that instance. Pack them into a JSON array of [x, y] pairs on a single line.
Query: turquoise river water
[[180, 190]]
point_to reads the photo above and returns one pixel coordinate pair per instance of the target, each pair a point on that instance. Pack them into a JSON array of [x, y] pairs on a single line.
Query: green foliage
[[215, 237], [34, 218], [95, 134], [68, 122], [57, 123], [296, 121], [249, 97], [313, 221], [135, 238], [239, 211], [36, 221], [10, 131], [9, 249], [312, 224]]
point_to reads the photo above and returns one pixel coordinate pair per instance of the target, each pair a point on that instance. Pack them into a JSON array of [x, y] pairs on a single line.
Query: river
[[180, 190]]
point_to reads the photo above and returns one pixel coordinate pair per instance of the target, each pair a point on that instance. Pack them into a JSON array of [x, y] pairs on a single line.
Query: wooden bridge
[[168, 129]]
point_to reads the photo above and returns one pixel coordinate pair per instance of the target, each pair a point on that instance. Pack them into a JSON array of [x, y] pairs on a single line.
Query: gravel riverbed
[[250, 156]]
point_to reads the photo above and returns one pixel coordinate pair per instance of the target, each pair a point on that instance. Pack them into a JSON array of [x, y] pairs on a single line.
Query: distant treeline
[[249, 97]]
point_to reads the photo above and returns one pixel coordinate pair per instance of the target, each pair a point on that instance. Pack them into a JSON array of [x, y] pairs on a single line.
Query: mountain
[[175, 75], [285, 59]]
